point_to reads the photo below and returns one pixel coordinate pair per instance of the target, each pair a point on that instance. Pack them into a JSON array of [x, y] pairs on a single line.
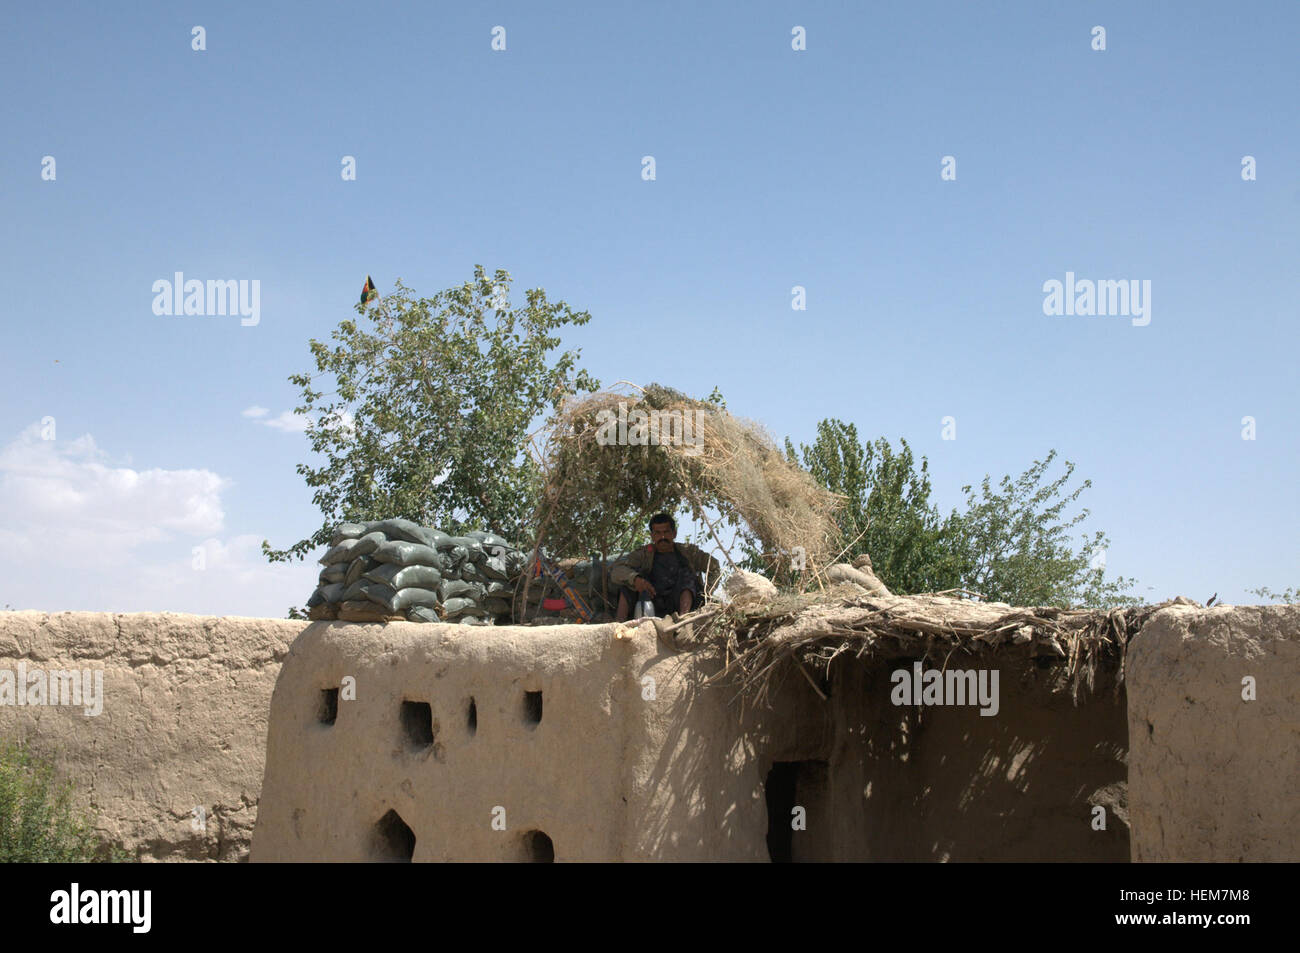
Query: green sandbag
[[491, 542], [398, 601], [494, 567], [408, 554], [418, 577], [403, 530], [378, 593], [471, 573], [456, 589], [331, 574], [499, 589], [331, 593], [453, 556], [357, 592], [421, 614], [342, 553], [384, 572], [358, 568], [433, 537], [413, 596], [472, 547], [400, 577], [315, 598], [454, 607], [368, 544], [347, 531]]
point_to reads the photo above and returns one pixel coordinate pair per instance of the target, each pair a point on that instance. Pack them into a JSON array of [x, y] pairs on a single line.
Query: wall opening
[[532, 708], [417, 723], [802, 784], [472, 721], [392, 841], [328, 709], [538, 848]]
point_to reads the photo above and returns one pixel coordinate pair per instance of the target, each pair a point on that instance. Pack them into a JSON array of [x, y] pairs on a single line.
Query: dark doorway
[[803, 785]]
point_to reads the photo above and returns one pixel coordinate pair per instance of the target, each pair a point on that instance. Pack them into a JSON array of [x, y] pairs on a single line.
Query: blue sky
[[774, 168]]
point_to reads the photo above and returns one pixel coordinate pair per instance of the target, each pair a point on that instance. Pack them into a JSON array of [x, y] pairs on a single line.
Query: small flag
[[368, 292]]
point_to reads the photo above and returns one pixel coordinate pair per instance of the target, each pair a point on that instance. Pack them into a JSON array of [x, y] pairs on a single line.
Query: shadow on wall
[[856, 778], [712, 768], [945, 783]]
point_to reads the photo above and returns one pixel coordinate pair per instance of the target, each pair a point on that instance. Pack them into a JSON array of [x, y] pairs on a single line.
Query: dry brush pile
[[804, 634], [612, 459]]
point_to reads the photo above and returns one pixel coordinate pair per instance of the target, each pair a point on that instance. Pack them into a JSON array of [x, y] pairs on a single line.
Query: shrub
[[38, 823]]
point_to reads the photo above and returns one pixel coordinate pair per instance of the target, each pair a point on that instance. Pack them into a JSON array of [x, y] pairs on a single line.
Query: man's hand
[[641, 584]]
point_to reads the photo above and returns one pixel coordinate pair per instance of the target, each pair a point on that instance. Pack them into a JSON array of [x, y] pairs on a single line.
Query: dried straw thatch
[[807, 633], [725, 464]]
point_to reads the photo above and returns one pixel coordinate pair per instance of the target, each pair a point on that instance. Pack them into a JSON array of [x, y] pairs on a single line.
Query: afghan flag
[[368, 292]]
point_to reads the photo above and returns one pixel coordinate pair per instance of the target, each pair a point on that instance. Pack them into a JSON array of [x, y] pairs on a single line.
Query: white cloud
[[68, 492], [79, 533], [235, 579], [289, 422]]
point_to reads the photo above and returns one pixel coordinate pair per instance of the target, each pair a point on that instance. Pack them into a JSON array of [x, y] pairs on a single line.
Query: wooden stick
[[693, 617], [810, 680], [712, 531]]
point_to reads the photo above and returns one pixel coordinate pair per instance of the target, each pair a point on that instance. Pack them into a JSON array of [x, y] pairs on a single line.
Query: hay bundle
[[615, 458]]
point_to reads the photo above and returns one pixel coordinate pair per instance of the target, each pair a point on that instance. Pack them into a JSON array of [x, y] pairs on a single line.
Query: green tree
[[38, 823], [888, 513], [1010, 545], [429, 414]]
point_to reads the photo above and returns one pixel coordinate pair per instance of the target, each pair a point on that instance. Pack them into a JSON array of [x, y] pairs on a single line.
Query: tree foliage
[[430, 408], [1009, 545], [887, 513], [1287, 595], [1013, 548]]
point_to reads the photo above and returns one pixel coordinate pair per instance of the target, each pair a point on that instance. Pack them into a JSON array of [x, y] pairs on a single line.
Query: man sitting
[[666, 572]]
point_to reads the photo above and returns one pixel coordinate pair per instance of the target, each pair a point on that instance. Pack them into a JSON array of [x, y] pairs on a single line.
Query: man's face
[[662, 534]]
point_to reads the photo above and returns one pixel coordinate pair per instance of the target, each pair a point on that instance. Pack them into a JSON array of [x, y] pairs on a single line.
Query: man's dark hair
[[663, 518]]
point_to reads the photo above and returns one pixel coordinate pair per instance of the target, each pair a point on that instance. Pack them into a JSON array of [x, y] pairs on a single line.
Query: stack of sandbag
[[395, 569]]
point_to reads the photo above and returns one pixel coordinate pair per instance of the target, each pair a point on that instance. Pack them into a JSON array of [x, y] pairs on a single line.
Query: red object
[[555, 605]]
